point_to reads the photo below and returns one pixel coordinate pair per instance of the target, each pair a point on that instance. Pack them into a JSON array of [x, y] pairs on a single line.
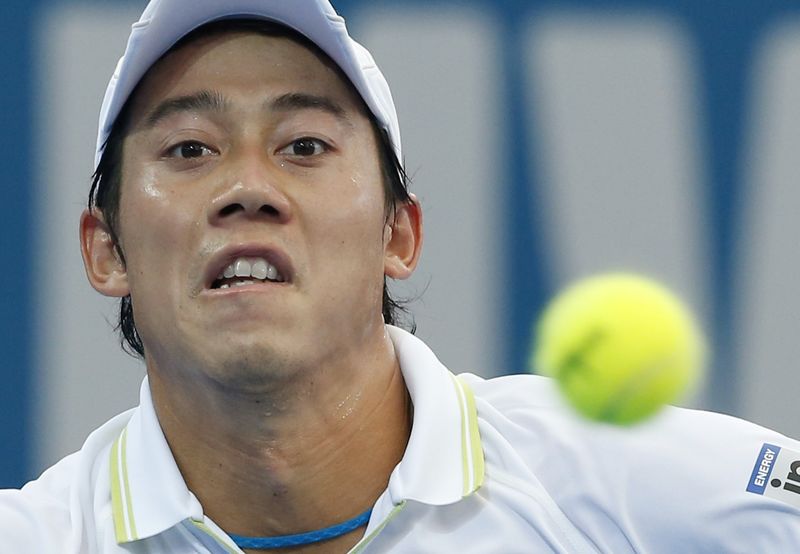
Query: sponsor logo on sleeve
[[776, 474]]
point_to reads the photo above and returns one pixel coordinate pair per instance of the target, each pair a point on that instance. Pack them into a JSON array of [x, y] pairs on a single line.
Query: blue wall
[[16, 141]]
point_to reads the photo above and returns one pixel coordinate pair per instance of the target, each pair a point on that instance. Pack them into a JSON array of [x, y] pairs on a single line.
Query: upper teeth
[[258, 268]]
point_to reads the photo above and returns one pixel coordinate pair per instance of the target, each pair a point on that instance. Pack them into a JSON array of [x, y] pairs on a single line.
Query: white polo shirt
[[492, 466]]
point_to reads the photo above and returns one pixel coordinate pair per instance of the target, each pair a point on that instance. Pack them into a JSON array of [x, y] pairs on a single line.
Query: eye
[[189, 149], [306, 146]]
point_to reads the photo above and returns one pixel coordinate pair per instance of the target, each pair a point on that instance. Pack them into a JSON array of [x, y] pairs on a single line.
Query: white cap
[[164, 22]]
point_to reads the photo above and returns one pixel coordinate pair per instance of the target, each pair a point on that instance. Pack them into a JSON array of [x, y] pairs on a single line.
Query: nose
[[250, 193]]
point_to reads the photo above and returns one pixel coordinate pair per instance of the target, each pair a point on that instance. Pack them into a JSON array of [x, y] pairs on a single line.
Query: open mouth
[[247, 271]]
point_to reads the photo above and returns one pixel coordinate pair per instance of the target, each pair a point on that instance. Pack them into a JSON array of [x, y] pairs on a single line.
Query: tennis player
[[248, 206]]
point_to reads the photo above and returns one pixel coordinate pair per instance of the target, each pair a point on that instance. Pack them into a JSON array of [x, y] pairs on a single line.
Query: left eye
[[189, 149], [306, 146]]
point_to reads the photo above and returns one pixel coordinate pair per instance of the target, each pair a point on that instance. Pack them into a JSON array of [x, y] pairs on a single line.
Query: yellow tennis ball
[[620, 346]]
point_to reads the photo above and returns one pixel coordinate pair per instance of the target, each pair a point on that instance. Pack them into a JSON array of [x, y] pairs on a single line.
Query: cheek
[[354, 249], [355, 218], [156, 226]]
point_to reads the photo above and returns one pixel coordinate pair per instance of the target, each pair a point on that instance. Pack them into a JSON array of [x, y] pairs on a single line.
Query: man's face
[[247, 154]]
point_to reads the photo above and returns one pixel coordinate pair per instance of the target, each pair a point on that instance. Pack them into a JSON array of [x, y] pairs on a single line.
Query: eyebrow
[[202, 101], [303, 101], [214, 102]]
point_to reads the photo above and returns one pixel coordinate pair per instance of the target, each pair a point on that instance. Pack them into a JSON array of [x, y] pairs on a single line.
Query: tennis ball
[[620, 346]]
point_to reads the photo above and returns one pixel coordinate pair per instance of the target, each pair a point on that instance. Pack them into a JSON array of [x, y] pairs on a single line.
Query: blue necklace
[[309, 537]]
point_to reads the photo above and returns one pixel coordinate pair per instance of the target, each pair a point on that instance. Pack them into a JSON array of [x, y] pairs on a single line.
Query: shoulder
[[40, 509], [686, 477], [530, 413], [56, 511]]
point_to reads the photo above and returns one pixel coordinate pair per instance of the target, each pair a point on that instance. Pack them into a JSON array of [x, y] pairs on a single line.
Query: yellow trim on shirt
[[116, 495], [472, 463], [465, 469], [210, 532], [121, 503], [364, 542], [475, 437]]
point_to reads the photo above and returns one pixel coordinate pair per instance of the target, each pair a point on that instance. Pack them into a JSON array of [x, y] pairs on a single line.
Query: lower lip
[[267, 287]]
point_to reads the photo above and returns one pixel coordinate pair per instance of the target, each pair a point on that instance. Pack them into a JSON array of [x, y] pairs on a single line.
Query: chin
[[251, 368]]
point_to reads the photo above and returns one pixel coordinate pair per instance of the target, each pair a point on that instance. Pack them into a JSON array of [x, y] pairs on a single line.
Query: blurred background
[[547, 140]]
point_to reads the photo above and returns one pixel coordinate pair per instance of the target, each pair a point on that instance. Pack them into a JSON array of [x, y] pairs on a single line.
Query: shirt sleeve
[[693, 481], [684, 481], [37, 518]]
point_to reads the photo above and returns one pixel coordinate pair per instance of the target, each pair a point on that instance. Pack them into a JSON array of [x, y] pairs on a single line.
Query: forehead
[[249, 63]]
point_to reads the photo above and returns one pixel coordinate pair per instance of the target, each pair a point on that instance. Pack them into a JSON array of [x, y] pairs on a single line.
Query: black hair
[[104, 193]]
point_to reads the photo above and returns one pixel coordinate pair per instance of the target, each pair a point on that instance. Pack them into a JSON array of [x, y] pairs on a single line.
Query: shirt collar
[[148, 493], [442, 464], [443, 461]]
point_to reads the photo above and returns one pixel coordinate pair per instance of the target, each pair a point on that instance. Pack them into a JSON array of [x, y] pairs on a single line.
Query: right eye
[[189, 149]]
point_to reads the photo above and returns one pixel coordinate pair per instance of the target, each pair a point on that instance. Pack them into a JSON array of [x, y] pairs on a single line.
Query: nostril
[[230, 209], [269, 210]]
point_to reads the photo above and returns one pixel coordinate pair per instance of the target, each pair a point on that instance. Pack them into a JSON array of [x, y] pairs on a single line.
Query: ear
[[104, 267], [403, 240]]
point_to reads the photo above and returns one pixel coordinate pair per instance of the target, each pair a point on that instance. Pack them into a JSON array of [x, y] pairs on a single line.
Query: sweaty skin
[[283, 403]]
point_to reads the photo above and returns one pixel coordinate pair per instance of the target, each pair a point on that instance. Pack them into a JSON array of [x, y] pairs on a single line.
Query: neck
[[311, 453]]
